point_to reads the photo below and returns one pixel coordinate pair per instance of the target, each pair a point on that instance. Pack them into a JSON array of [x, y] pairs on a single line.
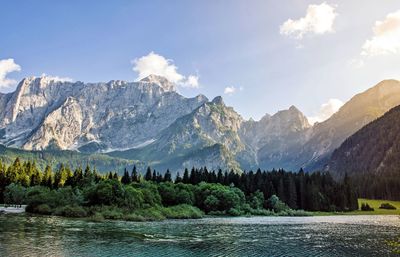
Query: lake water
[[24, 235]]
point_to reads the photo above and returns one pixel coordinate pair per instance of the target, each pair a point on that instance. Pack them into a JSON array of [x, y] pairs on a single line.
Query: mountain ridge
[[149, 121]]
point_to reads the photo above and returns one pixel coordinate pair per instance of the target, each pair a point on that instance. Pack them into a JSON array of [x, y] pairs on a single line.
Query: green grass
[[373, 203]]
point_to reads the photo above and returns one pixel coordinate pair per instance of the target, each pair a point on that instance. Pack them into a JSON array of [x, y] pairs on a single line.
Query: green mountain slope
[[374, 149]]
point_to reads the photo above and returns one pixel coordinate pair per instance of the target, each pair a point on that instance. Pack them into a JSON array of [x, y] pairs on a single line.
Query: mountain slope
[[374, 149], [280, 138], [196, 139], [357, 112]]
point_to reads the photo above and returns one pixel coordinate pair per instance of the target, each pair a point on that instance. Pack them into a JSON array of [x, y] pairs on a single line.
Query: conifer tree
[[135, 177], [47, 177], [148, 175], [178, 178], [167, 176], [126, 179], [185, 178]]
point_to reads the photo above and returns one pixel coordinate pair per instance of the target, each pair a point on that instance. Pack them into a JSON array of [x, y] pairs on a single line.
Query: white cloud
[[232, 90], [192, 81], [326, 110], [158, 65], [229, 90], [57, 78], [386, 38], [7, 66], [319, 19]]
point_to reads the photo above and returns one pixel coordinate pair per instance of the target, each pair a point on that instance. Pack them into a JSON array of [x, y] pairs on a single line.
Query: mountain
[[149, 122], [276, 139], [325, 137], [374, 149], [224, 139], [93, 117], [206, 136]]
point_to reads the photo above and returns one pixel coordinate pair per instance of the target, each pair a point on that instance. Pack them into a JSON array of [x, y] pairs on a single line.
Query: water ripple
[[259, 236]]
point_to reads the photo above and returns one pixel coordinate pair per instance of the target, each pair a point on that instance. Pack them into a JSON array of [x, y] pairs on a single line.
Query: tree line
[[311, 192], [299, 190]]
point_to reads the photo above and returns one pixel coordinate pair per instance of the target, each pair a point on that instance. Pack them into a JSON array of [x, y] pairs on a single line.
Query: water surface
[[24, 235]]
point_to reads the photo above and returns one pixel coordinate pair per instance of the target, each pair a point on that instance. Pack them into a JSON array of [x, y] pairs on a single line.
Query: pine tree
[[126, 179], [78, 176], [115, 176], [87, 173], [154, 176], [69, 175], [281, 190], [291, 193], [159, 177], [47, 177], [148, 175], [178, 178], [167, 176], [135, 177], [110, 175], [185, 178]]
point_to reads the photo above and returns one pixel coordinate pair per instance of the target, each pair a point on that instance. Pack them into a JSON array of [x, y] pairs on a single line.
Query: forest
[[149, 195]]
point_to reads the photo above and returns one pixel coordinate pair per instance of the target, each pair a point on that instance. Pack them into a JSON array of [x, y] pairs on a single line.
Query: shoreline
[[12, 209], [18, 211]]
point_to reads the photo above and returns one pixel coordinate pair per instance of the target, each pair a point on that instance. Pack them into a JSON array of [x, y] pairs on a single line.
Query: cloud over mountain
[[158, 65], [7, 66], [326, 110]]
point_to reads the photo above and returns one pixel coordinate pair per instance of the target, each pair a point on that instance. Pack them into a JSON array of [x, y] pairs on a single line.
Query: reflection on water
[[24, 235]]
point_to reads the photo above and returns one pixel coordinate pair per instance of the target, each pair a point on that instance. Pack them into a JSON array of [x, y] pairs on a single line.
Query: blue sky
[[235, 44]]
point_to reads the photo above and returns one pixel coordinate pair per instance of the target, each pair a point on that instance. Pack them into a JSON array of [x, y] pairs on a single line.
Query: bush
[[133, 198], [152, 213], [235, 212], [106, 192], [39, 195], [150, 193], [275, 204], [366, 207], [294, 213], [182, 211], [96, 217], [42, 209], [256, 200], [14, 194], [262, 212], [112, 213], [71, 211], [387, 206], [134, 217], [217, 213]]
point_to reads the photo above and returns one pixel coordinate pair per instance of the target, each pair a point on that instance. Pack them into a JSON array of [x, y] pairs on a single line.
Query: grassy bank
[[375, 204]]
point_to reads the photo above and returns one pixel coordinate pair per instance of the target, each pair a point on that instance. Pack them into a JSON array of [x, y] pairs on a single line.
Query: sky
[[260, 55]]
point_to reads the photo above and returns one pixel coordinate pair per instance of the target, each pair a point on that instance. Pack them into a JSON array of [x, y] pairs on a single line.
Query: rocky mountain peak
[[294, 109], [293, 118], [218, 100], [160, 81]]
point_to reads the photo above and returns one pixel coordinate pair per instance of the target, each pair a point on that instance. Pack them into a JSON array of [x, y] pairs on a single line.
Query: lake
[[25, 235]]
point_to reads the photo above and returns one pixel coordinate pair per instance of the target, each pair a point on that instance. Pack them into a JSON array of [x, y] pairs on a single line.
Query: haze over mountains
[[148, 121]]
